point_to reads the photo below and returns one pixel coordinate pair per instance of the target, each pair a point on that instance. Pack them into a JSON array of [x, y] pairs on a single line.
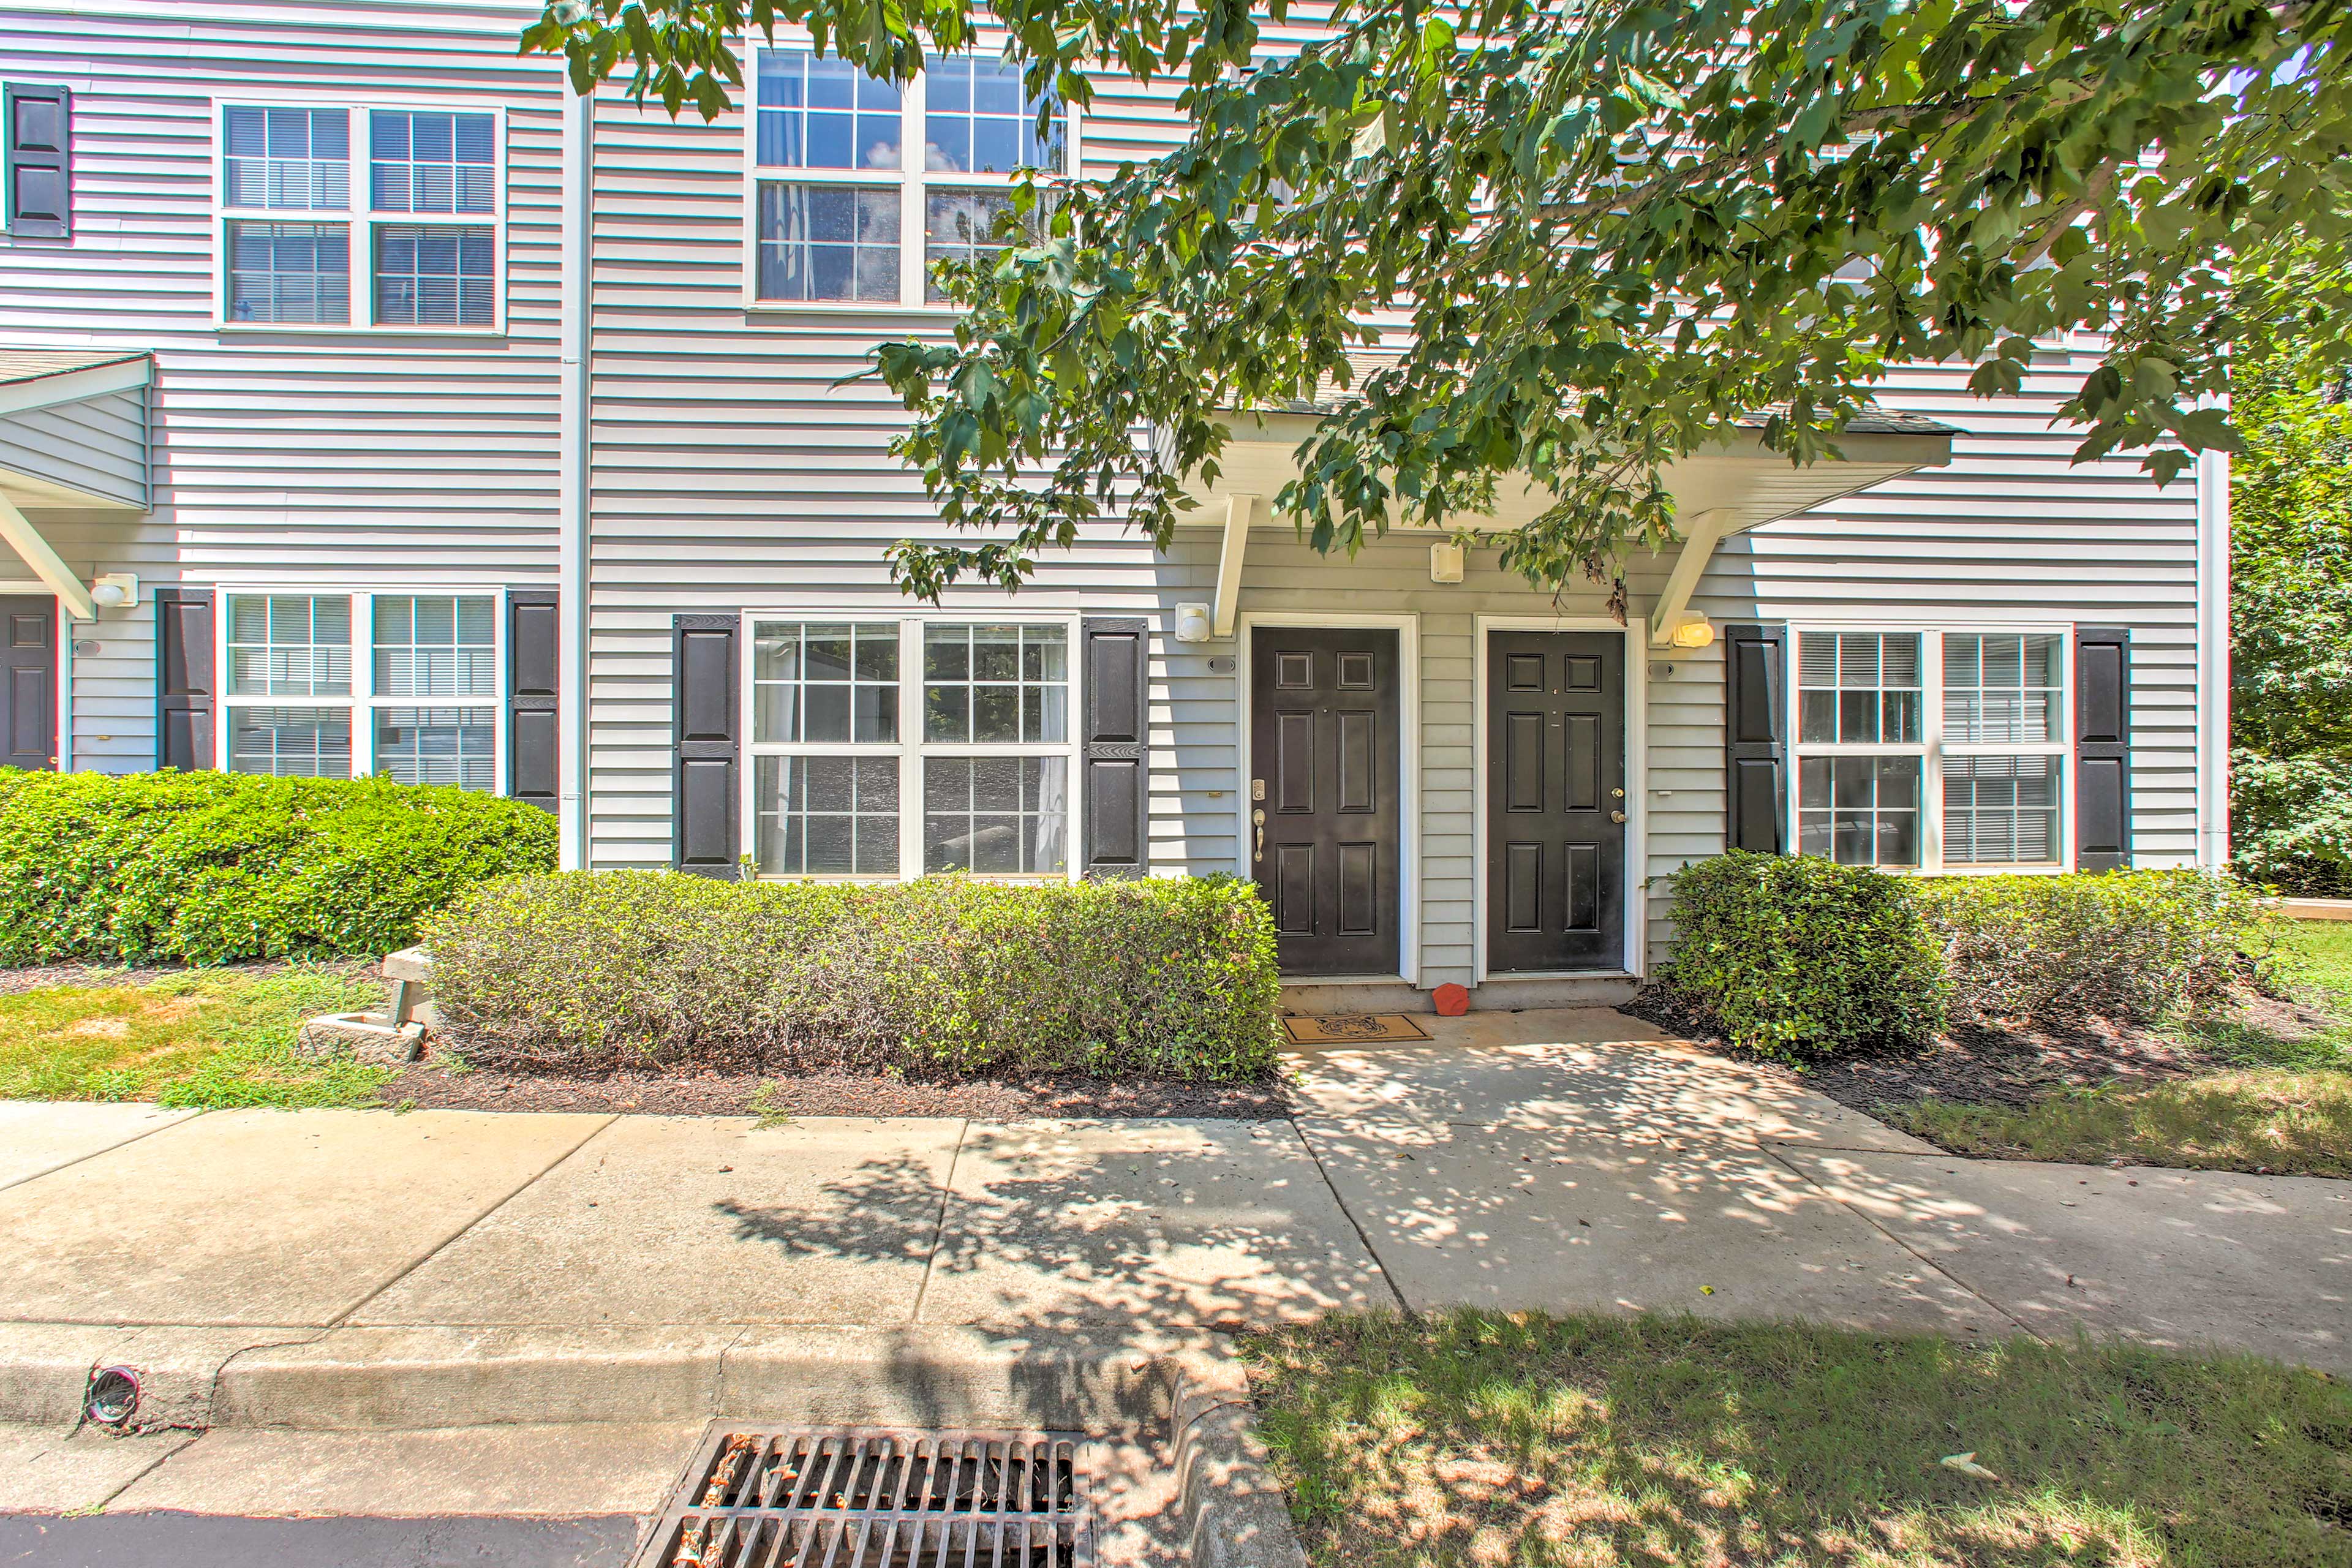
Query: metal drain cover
[[874, 1497]]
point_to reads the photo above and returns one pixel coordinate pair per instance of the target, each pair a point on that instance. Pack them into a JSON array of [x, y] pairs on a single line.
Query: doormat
[[1351, 1028]]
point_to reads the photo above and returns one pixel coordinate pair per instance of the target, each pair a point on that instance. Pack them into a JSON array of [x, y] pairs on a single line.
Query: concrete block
[[371, 1038]]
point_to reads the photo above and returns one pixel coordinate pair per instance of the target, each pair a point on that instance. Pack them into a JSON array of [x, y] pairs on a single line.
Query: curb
[[1232, 1512], [363, 1379]]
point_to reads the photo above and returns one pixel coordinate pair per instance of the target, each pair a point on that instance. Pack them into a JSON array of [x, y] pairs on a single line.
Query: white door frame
[[1637, 794], [1406, 624]]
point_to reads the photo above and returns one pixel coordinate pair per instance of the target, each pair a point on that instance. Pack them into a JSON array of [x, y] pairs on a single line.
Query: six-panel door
[[1555, 806], [1326, 823], [28, 679]]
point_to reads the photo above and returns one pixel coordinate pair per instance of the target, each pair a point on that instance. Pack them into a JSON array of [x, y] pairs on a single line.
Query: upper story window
[[837, 200], [361, 217]]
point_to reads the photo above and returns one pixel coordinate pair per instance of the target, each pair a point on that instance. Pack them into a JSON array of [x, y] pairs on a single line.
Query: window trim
[[362, 702], [1931, 747], [911, 180], [358, 215], [910, 748]]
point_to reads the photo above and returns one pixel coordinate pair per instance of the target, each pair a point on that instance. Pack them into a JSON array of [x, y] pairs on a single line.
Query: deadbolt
[[1617, 795], [1257, 789]]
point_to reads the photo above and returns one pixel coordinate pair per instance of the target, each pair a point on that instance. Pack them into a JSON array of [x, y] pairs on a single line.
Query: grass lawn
[[219, 1038], [1667, 1443], [2273, 1101]]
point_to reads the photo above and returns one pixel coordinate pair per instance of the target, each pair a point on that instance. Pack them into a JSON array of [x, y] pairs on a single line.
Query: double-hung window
[[895, 747], [377, 217], [857, 186], [1931, 750], [332, 685]]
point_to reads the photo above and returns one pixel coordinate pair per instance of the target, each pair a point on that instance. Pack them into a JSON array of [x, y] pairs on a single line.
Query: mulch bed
[[1986, 1063], [429, 1085]]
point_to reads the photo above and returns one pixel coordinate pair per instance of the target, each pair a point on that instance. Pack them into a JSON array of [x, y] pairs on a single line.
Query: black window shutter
[[39, 136], [1117, 757], [2102, 748], [705, 721], [184, 687], [1755, 736], [533, 771]]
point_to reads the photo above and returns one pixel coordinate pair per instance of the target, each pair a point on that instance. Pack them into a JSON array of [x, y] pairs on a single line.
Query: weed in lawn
[[1527, 1438], [214, 1040]]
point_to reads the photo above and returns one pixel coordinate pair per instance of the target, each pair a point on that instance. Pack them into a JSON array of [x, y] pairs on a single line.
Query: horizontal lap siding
[[96, 445], [729, 472], [353, 459], [2012, 531]]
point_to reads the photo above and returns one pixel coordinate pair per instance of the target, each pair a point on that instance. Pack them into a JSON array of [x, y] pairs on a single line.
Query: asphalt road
[[208, 1541]]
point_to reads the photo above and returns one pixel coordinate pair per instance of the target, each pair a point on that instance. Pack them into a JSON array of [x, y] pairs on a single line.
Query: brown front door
[[28, 679], [1555, 801], [1325, 821]]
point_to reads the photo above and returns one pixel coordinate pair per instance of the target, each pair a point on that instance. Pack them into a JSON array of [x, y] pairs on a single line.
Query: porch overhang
[[73, 437], [1729, 486]]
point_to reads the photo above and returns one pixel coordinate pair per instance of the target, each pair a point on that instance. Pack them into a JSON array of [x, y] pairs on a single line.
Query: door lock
[[1257, 789], [1617, 795], [1257, 820], [1616, 816]]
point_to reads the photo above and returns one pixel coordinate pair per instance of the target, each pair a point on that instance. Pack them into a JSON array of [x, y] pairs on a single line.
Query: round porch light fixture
[[1694, 630]]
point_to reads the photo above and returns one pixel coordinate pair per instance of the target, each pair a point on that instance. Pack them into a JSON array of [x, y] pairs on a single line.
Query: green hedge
[[1171, 979], [2131, 946], [208, 868], [1794, 956]]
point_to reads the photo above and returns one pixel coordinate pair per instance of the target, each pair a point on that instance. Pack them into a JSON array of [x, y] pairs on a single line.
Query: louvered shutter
[[1756, 742], [2102, 748], [533, 771], [705, 724], [184, 684], [1117, 755], [37, 121]]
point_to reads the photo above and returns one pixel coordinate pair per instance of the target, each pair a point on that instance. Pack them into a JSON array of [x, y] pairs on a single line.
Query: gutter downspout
[[2212, 660], [572, 486]]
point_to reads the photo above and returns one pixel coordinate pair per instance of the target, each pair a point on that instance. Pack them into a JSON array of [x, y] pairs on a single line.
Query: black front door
[[1555, 801], [1325, 821], [28, 679]]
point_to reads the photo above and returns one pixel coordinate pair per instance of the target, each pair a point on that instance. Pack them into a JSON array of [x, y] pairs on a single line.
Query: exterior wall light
[[1191, 623], [1446, 561], [115, 591], [1694, 630]]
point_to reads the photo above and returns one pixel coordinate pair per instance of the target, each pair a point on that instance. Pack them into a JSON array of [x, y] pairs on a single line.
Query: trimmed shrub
[[1798, 957], [579, 972], [210, 868], [2131, 946]]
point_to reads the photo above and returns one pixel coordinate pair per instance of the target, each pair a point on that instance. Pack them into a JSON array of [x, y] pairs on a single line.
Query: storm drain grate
[[809, 1497]]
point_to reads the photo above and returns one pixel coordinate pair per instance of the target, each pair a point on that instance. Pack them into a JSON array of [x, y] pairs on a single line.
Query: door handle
[[1616, 816], [1257, 819]]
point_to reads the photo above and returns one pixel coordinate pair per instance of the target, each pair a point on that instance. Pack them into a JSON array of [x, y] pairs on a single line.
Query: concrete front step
[[358, 1379], [1501, 995]]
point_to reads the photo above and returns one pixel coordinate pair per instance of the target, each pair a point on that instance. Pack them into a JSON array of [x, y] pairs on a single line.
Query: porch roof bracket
[[1239, 509], [1701, 534], [26, 542]]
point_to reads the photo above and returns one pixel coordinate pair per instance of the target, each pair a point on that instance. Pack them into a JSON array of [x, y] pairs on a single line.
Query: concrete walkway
[[335, 1269]]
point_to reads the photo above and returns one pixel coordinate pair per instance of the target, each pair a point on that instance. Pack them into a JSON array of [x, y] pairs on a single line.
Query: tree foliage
[[1598, 232]]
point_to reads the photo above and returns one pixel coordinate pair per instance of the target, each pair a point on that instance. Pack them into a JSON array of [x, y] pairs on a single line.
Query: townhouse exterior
[[368, 404]]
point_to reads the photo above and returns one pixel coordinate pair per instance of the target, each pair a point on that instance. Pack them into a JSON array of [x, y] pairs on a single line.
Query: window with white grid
[[842, 213], [360, 218], [893, 747], [409, 685], [1931, 750]]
